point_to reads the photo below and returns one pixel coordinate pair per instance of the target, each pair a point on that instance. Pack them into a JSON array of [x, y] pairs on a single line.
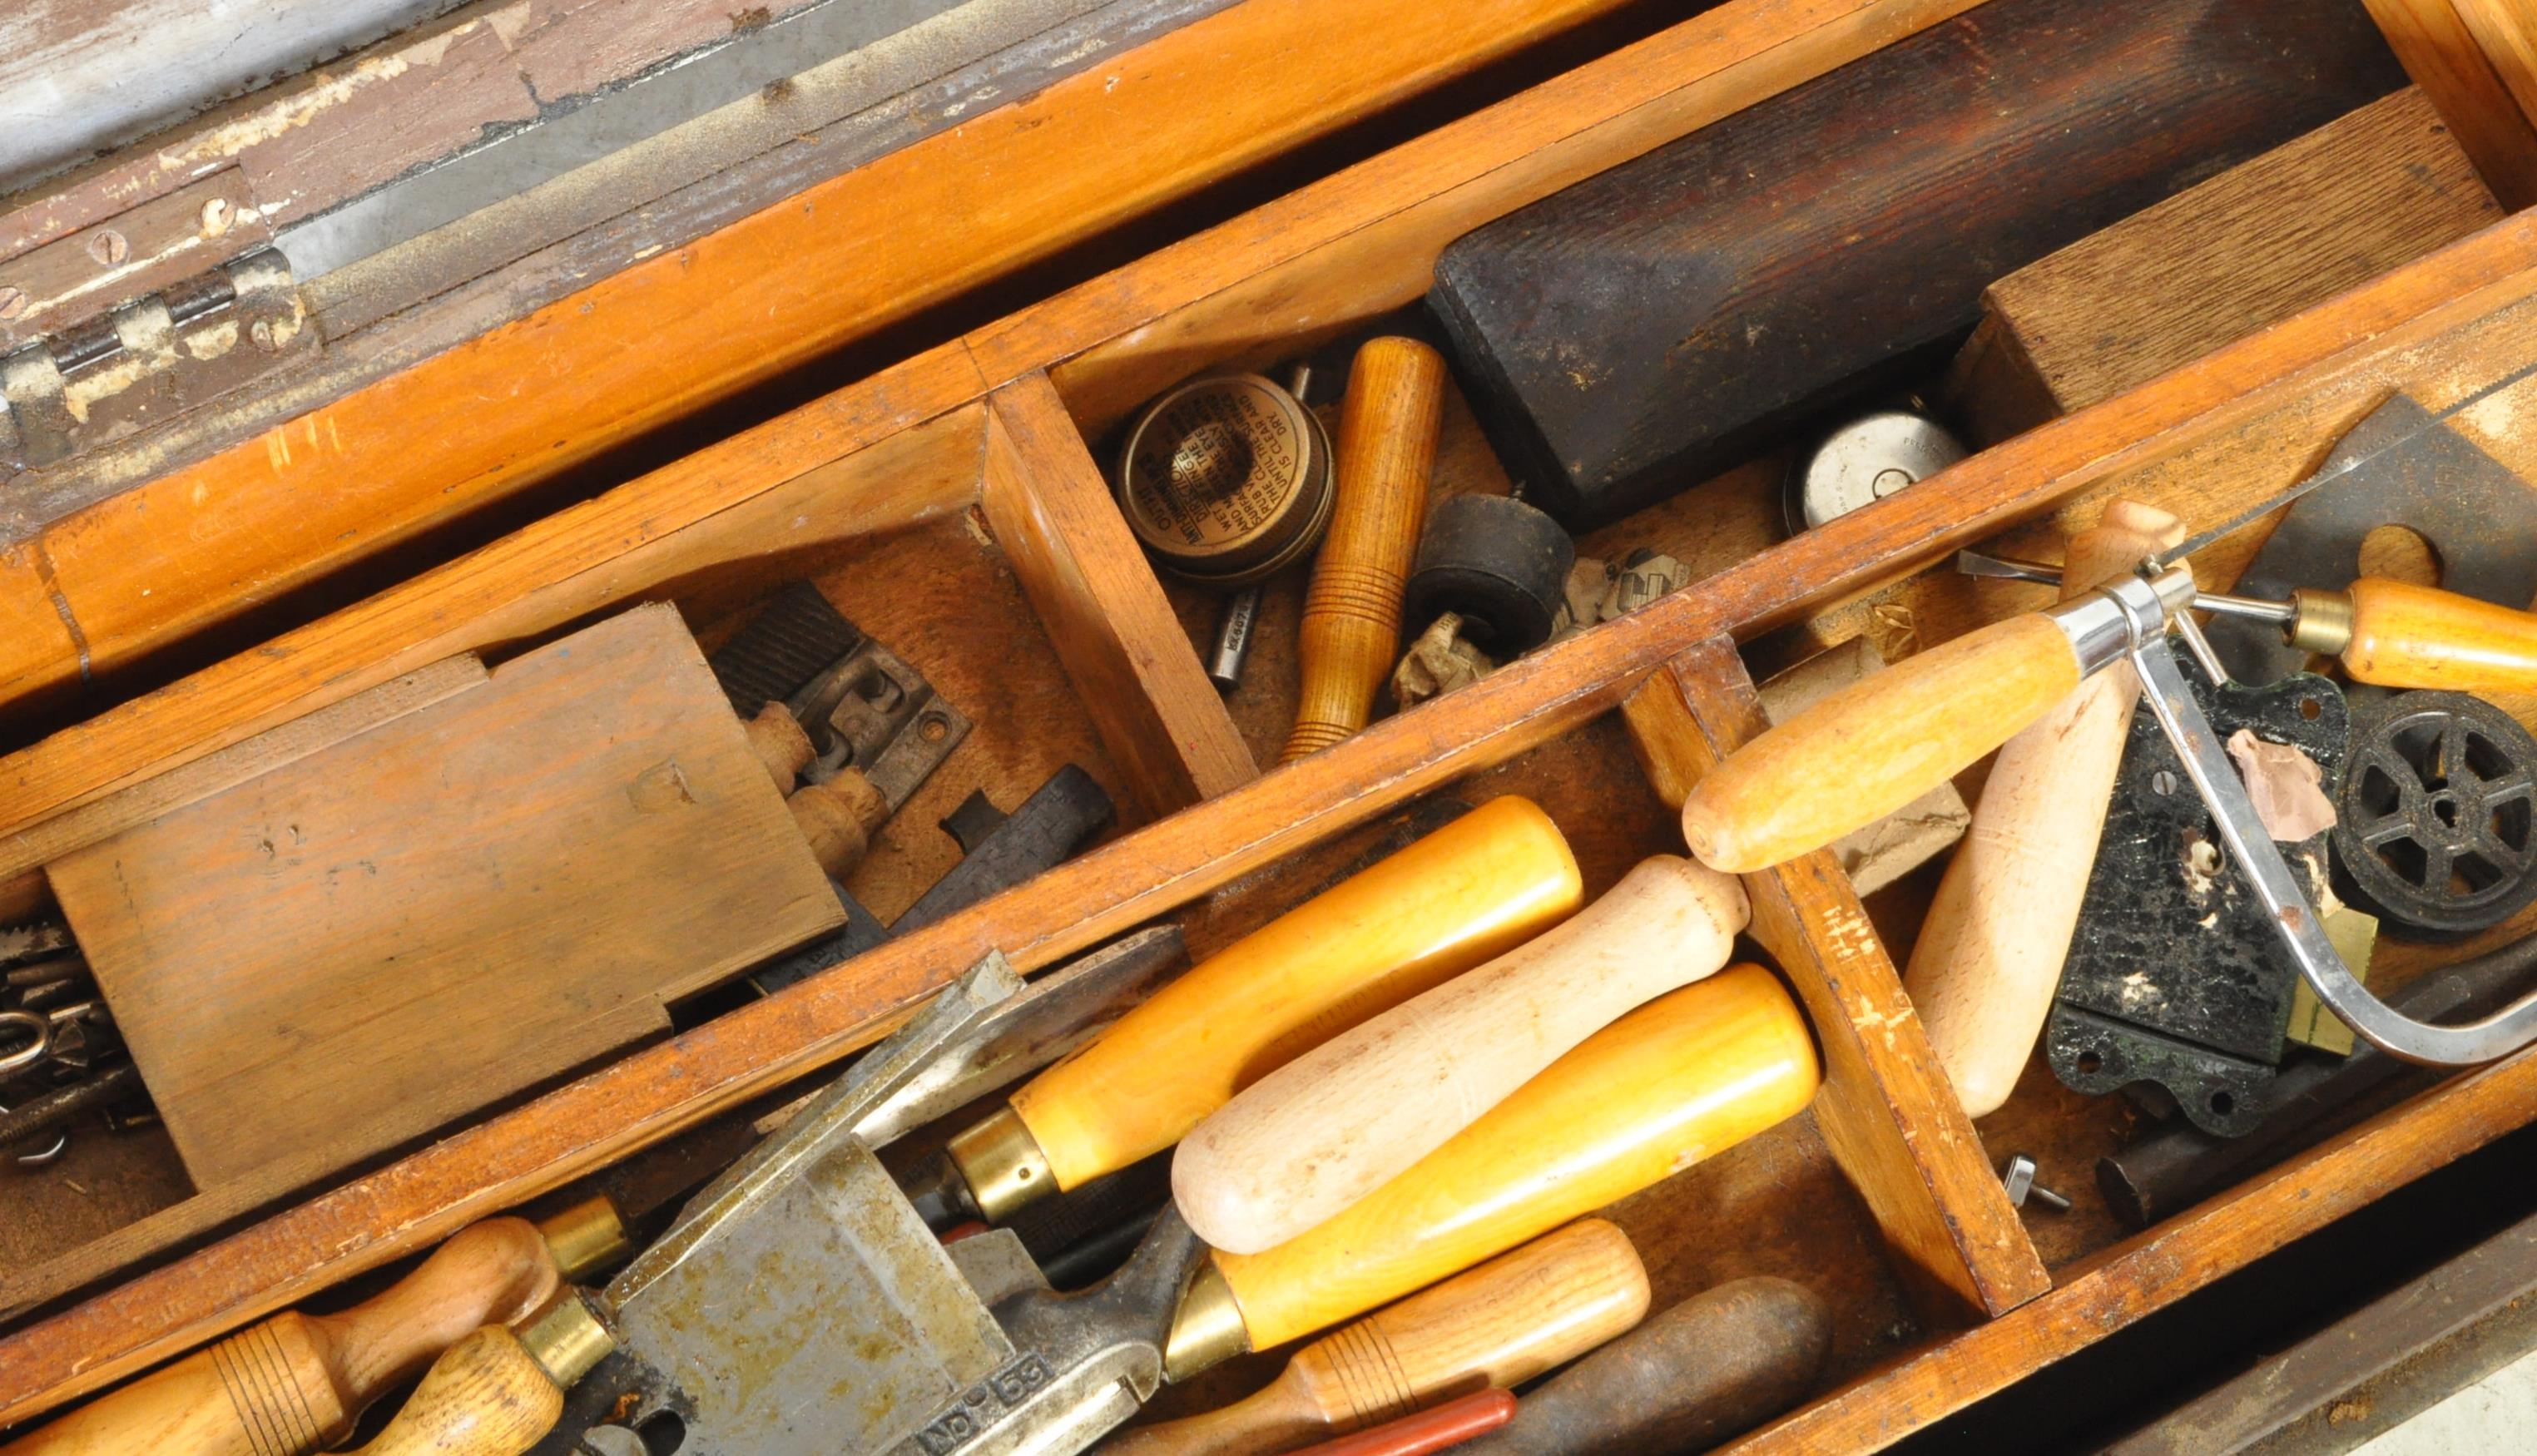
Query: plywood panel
[[352, 949]]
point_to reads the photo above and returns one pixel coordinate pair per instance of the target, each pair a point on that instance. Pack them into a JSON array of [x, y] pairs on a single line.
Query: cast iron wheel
[[2435, 829]]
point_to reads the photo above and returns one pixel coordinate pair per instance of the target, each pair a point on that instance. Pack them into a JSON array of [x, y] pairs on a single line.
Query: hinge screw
[[108, 247], [13, 302]]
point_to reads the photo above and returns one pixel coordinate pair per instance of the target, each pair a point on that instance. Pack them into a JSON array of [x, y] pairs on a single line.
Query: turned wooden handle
[[1989, 955], [1480, 885], [775, 736], [1501, 1324], [296, 1382], [1681, 1078], [1351, 626], [1348, 1116], [1867, 750], [840, 818], [488, 1396], [2408, 636], [1697, 1376]]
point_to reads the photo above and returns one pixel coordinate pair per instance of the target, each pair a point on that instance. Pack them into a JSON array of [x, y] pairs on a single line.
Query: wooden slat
[[1885, 1107], [2440, 52], [2178, 1257], [694, 324], [1051, 511]]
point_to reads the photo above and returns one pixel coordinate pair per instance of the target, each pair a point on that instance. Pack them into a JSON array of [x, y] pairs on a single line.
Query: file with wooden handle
[[1350, 633], [1989, 954], [1526, 1311], [1869, 749], [1339, 1122], [296, 1382], [1678, 1080], [1490, 881], [2395, 634]]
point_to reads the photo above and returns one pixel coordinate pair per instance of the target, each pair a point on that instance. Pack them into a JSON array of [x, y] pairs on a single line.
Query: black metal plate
[[2175, 976]]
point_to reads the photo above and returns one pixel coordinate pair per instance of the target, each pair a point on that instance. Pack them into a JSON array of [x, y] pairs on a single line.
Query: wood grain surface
[[2444, 53]]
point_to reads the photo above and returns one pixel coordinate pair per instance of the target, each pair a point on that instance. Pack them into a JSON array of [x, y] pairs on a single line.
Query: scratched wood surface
[[353, 948]]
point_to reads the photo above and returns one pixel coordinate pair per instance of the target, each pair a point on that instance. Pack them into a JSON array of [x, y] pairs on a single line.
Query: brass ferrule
[[567, 1337], [1208, 1329], [2321, 622], [1002, 1165], [585, 1239]]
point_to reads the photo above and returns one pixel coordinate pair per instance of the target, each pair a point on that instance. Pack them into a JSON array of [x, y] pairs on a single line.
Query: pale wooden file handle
[[1989, 955], [2408, 636], [1477, 887], [1341, 1121], [1526, 1311], [1869, 749], [1351, 626], [1682, 1078]]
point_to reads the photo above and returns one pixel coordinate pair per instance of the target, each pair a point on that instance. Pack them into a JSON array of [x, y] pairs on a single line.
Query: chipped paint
[[329, 90]]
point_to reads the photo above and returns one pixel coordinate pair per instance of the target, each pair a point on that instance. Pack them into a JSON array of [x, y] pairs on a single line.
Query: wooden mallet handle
[[1335, 1123], [1867, 750], [1351, 626], [1989, 955], [1526, 1312]]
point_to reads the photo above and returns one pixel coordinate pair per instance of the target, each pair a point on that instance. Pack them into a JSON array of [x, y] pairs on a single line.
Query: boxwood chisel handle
[[1682, 1078], [499, 1390], [1484, 883], [1989, 954], [1341, 1121], [1351, 626], [1522, 1313], [2395, 634]]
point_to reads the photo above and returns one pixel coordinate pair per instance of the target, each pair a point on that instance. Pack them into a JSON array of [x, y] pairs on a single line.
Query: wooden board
[[357, 946], [2443, 52], [2264, 239]]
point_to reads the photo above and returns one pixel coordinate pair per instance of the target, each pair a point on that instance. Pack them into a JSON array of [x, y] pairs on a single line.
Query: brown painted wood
[[2262, 240], [358, 946], [672, 333], [1050, 509], [1886, 1107], [2440, 51]]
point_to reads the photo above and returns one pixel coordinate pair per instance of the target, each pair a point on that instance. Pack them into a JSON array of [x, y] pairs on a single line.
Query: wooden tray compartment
[[921, 441]]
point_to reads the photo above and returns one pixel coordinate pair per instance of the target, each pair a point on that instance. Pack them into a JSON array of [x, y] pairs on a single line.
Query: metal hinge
[[151, 358]]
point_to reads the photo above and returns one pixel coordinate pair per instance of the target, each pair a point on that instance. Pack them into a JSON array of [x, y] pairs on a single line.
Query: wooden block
[[2305, 220], [2441, 48], [1105, 612], [363, 943], [1892, 1121], [1638, 331]]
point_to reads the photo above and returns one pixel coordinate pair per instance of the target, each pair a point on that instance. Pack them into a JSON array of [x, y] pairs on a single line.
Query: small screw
[[2162, 782], [108, 247], [2018, 1179], [13, 302]]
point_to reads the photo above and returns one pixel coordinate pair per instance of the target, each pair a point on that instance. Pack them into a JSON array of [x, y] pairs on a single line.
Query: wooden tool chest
[[956, 505]]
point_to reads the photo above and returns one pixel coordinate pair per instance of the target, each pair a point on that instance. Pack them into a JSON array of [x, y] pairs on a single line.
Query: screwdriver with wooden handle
[[296, 1382], [1678, 1080], [1488, 881], [1500, 1324], [1989, 954], [1350, 633], [1339, 1122], [1872, 748]]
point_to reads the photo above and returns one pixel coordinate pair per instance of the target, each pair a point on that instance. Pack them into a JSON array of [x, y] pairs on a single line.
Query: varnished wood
[[1679, 1078], [1351, 626], [1989, 954], [688, 326], [1867, 750], [1051, 511], [2406, 636], [297, 1383], [1313, 1137], [1885, 1109], [1487, 882], [2258, 242], [2441, 52], [1525, 1313], [486, 1396], [361, 943]]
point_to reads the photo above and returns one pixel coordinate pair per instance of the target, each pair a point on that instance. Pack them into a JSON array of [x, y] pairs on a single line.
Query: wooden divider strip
[[1886, 1111], [1104, 609], [2439, 49]]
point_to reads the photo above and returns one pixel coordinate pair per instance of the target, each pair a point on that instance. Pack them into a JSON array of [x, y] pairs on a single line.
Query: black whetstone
[[1633, 334]]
